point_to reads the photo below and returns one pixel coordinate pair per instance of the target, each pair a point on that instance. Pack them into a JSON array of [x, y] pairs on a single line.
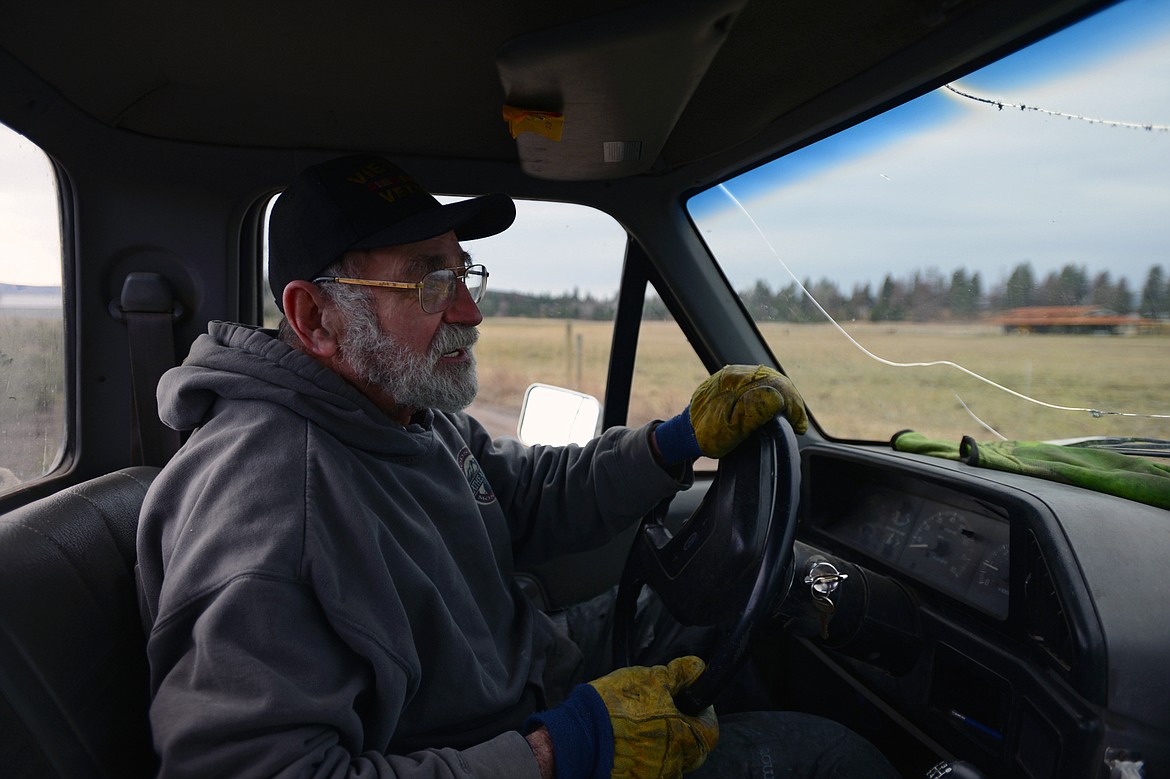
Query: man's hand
[[625, 725], [725, 409], [651, 737]]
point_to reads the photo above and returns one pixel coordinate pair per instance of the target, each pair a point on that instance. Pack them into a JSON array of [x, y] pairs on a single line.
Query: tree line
[[923, 296]]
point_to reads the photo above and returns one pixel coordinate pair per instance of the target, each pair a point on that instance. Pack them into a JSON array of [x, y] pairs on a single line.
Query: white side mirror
[[558, 416]]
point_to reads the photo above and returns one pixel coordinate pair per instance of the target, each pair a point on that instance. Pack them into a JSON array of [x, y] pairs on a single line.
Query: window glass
[[991, 259], [549, 308], [32, 367], [666, 368]]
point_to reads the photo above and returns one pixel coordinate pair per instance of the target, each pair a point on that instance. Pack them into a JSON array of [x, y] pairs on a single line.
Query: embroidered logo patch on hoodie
[[476, 478]]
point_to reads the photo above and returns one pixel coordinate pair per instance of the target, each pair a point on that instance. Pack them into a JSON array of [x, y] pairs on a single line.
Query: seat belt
[[149, 309]]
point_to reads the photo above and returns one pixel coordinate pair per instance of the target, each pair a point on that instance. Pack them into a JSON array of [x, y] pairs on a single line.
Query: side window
[[666, 370], [548, 313], [32, 355]]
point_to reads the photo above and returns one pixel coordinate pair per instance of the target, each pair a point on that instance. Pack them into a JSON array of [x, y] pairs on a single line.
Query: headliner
[[704, 84]]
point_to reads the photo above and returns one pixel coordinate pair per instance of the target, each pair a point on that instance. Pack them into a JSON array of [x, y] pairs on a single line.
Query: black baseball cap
[[362, 202]]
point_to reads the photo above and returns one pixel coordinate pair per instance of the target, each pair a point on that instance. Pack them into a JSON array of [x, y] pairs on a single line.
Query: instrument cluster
[[955, 549]]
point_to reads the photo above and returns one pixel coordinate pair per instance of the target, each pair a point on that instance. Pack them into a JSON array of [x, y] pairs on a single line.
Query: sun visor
[[598, 98]]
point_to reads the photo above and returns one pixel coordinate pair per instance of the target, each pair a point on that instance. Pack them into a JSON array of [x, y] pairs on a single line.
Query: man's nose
[[463, 310]]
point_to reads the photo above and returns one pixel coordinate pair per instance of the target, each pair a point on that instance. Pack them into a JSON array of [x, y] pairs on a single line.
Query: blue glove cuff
[[676, 439], [581, 733]]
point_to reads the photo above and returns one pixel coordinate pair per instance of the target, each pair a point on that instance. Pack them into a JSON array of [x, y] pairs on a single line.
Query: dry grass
[[32, 398], [860, 397], [855, 396], [514, 353]]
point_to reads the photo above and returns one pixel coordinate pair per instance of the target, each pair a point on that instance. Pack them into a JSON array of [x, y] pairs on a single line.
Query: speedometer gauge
[[943, 546]]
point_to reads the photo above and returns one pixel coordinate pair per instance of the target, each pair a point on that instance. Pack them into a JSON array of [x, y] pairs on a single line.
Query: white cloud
[[993, 188]]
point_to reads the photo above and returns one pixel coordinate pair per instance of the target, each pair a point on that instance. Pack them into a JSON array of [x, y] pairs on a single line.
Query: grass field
[[853, 395], [32, 403]]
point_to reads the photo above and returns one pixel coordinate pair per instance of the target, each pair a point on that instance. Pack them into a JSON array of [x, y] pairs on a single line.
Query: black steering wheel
[[725, 564]]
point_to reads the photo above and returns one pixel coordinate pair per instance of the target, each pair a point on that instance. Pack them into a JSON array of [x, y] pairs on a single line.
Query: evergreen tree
[[760, 302], [1021, 287], [925, 296], [654, 309], [889, 306], [788, 303], [1155, 302], [1121, 301], [861, 302], [805, 310], [1074, 285], [1102, 291], [963, 294]]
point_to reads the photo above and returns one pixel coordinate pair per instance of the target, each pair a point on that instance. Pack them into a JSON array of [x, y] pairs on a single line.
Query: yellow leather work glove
[[726, 408], [625, 725], [736, 399], [652, 739]]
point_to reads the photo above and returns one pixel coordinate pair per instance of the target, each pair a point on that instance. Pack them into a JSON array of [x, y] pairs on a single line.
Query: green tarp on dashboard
[[1118, 474]]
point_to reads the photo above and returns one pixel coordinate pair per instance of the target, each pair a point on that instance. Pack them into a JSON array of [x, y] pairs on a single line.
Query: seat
[[74, 684]]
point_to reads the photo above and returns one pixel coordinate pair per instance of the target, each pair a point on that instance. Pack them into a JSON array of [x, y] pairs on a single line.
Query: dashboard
[[1038, 655]]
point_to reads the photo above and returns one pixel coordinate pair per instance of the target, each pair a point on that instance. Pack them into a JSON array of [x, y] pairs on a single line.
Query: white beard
[[411, 379]]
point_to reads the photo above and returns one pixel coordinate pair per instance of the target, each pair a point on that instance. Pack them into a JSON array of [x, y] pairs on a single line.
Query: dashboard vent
[[1047, 621]]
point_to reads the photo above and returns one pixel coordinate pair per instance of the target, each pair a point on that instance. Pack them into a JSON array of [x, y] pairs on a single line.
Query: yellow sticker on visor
[[546, 123]]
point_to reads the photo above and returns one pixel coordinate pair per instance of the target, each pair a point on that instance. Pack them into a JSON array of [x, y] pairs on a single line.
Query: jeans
[[757, 744], [766, 744]]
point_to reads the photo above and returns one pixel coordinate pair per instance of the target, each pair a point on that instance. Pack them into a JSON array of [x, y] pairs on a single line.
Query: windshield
[[990, 259]]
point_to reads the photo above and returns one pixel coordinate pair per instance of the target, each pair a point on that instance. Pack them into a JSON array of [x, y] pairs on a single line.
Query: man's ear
[[308, 313]]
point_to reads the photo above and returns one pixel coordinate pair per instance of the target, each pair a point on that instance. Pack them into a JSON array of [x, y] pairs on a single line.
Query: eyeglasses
[[437, 289]]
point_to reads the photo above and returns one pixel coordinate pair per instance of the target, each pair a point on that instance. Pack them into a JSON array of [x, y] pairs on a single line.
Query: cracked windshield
[[991, 259]]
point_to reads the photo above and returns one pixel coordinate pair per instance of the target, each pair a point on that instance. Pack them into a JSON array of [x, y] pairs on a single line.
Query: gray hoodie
[[328, 593]]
